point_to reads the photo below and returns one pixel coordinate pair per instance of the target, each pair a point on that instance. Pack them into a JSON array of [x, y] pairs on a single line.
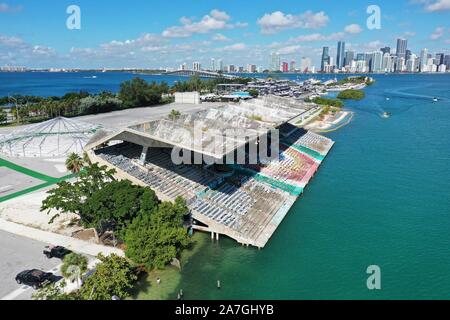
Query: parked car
[[56, 252], [34, 278]]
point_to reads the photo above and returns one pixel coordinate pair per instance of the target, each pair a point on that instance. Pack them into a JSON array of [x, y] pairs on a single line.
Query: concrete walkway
[[73, 244]]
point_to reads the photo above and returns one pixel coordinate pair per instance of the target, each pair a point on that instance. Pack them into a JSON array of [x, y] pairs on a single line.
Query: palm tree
[[74, 163], [174, 114]]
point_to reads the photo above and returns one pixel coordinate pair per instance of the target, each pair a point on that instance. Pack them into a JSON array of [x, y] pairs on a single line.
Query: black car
[[34, 278], [56, 252]]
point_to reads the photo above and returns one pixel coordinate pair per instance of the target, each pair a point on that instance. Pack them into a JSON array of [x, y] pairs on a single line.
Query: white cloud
[[438, 5], [12, 42], [4, 8], [318, 37], [353, 28], [277, 21], [437, 34], [220, 37], [43, 50], [290, 49], [215, 20], [233, 47], [220, 15]]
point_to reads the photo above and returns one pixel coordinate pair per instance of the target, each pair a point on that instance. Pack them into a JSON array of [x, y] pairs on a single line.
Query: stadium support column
[[143, 155]]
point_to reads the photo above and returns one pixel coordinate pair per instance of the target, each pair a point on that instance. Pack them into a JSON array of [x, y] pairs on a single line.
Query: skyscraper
[[213, 64], [349, 57], [423, 60], [305, 64], [196, 66], [439, 58], [376, 61], [447, 61], [340, 55], [325, 58], [219, 65], [292, 66], [402, 45], [274, 63]]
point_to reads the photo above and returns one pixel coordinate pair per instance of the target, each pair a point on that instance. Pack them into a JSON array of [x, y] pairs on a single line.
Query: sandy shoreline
[[331, 122]]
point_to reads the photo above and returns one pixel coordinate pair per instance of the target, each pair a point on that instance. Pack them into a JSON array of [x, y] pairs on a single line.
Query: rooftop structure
[[57, 137]]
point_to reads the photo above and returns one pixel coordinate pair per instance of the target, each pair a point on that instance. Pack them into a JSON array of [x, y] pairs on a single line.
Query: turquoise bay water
[[381, 197]]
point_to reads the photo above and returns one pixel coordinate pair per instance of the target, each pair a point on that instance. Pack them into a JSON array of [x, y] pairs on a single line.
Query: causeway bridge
[[202, 74]]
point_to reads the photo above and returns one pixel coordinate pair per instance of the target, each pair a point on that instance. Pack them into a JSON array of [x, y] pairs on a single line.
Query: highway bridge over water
[[202, 74]]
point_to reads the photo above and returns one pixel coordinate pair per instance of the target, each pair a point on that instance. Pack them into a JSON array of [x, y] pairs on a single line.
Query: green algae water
[[381, 197]]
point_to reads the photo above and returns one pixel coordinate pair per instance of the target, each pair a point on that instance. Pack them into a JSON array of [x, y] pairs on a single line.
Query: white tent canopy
[[57, 137]]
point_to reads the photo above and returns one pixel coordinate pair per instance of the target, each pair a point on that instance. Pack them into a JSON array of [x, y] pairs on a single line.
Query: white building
[[251, 68], [275, 61], [377, 61], [196, 66], [423, 60], [442, 68], [305, 64], [411, 63]]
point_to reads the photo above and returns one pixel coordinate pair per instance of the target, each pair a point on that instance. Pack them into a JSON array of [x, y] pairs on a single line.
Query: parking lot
[[17, 254]]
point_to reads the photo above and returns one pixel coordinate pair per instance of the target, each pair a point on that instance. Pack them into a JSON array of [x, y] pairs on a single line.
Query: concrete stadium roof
[[214, 132]]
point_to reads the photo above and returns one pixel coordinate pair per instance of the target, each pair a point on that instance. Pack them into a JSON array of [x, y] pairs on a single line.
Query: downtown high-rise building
[[219, 66], [196, 66], [439, 58], [325, 58], [213, 64], [423, 60], [402, 45], [251, 68], [305, 64], [274, 62], [292, 66], [340, 55], [349, 57], [376, 61]]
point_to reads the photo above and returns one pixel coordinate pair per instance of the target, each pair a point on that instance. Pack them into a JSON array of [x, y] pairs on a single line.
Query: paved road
[[17, 254]]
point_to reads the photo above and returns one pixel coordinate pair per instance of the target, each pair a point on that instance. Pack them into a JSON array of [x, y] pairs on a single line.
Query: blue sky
[[150, 34]]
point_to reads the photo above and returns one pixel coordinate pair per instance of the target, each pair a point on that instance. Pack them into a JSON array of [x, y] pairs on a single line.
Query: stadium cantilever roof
[[53, 138], [214, 132]]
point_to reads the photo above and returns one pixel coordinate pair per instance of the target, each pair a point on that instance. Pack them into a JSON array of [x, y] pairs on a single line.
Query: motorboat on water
[[386, 114], [435, 99]]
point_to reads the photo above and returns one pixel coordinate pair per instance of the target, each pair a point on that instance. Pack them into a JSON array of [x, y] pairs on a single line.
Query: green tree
[[154, 238], [69, 197], [115, 205], [3, 117], [351, 94], [74, 163], [138, 93], [254, 93], [114, 275], [53, 291], [72, 260], [174, 114]]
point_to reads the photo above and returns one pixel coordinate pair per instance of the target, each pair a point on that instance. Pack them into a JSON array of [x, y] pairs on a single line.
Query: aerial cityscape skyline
[[204, 31]]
